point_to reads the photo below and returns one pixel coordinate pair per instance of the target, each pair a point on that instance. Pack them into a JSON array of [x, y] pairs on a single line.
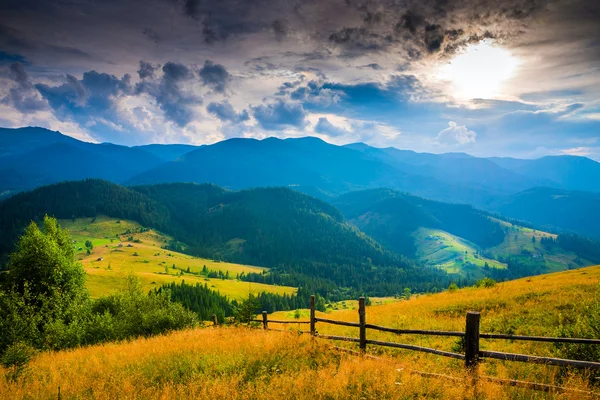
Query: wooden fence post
[[312, 315], [265, 323], [472, 339], [362, 322], [215, 322]]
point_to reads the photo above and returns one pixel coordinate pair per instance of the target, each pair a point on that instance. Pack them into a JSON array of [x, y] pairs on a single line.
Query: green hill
[[461, 240], [306, 242]]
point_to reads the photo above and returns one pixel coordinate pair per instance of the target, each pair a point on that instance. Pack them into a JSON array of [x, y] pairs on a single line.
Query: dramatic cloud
[[23, 96], [214, 75], [455, 134], [171, 91], [344, 69], [225, 112], [280, 115], [92, 96]]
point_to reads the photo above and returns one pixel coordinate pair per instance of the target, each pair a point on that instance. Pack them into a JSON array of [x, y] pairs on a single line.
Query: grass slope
[[242, 363], [456, 255], [114, 256], [449, 252]]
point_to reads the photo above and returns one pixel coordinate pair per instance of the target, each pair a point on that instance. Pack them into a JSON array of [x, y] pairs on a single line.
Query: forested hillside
[[305, 241], [562, 210], [391, 218]]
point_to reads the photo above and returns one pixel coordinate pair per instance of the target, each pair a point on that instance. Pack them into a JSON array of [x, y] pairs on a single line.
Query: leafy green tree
[[45, 267], [45, 300], [89, 245]]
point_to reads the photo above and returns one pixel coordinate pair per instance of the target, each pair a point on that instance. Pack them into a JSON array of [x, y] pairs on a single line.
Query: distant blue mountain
[[562, 172], [30, 157], [554, 209]]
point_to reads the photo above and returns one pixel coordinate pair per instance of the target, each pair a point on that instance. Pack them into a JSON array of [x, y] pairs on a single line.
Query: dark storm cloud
[[327, 128], [16, 40], [416, 27], [23, 96], [411, 29], [147, 70], [214, 75], [169, 90], [226, 113], [279, 115]]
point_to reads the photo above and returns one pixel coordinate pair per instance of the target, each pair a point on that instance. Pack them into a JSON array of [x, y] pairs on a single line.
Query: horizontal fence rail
[[539, 360], [334, 322], [417, 348], [538, 338], [413, 331]]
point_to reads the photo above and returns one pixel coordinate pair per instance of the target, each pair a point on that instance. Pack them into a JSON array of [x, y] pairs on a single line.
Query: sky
[[516, 78]]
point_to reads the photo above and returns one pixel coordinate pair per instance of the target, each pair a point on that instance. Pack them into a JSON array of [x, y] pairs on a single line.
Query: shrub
[[453, 287], [485, 283], [16, 357], [245, 310]]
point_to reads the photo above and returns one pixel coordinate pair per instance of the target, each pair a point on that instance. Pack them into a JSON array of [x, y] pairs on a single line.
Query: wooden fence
[[472, 337]]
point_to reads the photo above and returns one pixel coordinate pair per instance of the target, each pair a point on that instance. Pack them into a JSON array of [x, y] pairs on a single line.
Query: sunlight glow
[[480, 71]]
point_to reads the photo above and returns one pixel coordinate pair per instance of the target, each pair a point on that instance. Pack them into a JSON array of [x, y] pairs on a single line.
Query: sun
[[480, 71]]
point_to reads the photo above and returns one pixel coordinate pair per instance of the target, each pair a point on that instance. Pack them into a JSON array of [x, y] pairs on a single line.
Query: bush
[[133, 313], [485, 283], [453, 287], [16, 357]]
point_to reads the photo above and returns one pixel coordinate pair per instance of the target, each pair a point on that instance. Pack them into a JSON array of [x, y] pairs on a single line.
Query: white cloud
[[455, 134], [578, 151]]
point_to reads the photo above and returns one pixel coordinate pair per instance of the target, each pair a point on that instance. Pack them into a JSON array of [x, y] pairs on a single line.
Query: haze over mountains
[[566, 188]]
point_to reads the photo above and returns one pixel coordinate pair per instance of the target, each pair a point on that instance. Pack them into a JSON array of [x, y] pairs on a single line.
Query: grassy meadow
[[244, 363], [116, 254]]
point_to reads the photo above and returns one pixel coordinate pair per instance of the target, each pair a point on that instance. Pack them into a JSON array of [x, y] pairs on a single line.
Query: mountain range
[[568, 187]]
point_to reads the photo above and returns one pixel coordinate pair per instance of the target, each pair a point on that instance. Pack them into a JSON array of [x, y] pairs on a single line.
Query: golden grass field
[[243, 363], [152, 264]]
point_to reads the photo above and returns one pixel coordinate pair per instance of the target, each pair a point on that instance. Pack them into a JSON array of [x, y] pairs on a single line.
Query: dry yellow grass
[[242, 363], [233, 363]]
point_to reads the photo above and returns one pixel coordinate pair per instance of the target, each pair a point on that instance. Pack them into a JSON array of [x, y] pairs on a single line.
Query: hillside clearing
[[122, 247], [449, 252]]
